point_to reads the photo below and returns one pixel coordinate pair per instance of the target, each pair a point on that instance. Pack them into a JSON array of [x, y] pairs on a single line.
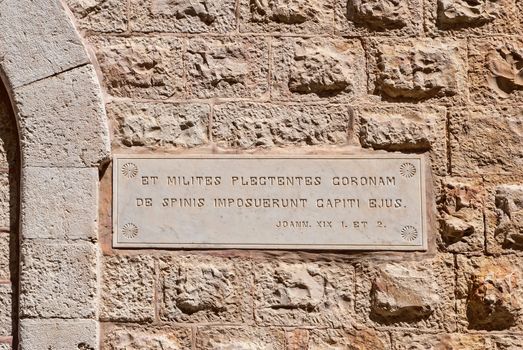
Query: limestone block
[[504, 342], [59, 203], [489, 293], [140, 337], [100, 15], [414, 294], [159, 125], [350, 339], [303, 294], [317, 68], [127, 288], [297, 339], [413, 129], [193, 16], [6, 306], [486, 141], [141, 67], [37, 40], [208, 338], [379, 17], [58, 334], [5, 257], [227, 67], [286, 16], [460, 215], [8, 205], [417, 69], [248, 125], [413, 340], [495, 70], [57, 279], [8, 133], [205, 289], [62, 120]]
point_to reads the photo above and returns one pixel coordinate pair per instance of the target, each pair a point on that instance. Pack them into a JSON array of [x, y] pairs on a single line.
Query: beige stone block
[[5, 346], [351, 339], [200, 16], [141, 67], [504, 342], [286, 16], [317, 69], [486, 141], [8, 205], [58, 334], [297, 339], [249, 125], [37, 41], [379, 17], [60, 203], [208, 338], [414, 294], [6, 308], [141, 337], [62, 120], [5, 257], [414, 340], [127, 288], [205, 289], [303, 294], [160, 125], [58, 279], [100, 15]]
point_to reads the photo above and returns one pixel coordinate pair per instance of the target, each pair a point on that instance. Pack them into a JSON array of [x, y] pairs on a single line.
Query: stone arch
[[63, 141]]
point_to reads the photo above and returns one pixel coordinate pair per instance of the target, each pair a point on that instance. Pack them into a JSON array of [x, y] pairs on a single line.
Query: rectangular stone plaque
[[272, 202]]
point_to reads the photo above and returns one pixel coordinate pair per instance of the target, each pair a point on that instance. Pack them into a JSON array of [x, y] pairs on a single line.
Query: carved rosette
[[407, 170], [409, 233], [130, 230], [129, 170]]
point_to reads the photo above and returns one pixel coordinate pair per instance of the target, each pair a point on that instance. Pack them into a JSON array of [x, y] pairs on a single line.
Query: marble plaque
[[270, 202]]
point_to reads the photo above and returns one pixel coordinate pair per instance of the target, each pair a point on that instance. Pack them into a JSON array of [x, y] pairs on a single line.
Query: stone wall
[[442, 77]]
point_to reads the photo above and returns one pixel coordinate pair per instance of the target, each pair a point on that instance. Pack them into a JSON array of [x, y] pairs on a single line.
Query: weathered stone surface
[[6, 299], [299, 294], [59, 203], [297, 339], [140, 337], [293, 16], [5, 346], [460, 215], [489, 292], [100, 15], [503, 342], [62, 120], [416, 294], [5, 254], [317, 68], [141, 67], [417, 69], [194, 16], [248, 125], [57, 279], [37, 40], [413, 129], [450, 341], [208, 338], [486, 141], [205, 289], [127, 288], [8, 188], [57, 334], [159, 124], [8, 133], [227, 67], [349, 339]]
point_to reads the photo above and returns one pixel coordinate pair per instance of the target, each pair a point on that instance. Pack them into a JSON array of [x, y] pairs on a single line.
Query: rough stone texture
[[7, 205], [141, 67], [57, 279], [411, 341], [412, 129], [8, 133], [486, 141], [303, 294], [208, 338], [317, 68], [205, 289], [57, 334], [193, 16], [411, 294], [489, 292], [5, 254], [6, 299], [248, 125], [62, 120], [100, 15], [504, 342], [286, 16], [4, 346], [296, 339], [227, 67], [159, 124], [349, 339], [417, 69], [137, 337], [379, 17], [127, 289], [59, 203]]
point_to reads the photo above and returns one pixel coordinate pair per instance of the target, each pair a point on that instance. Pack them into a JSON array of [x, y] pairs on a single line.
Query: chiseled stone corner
[[366, 338], [142, 337], [37, 40], [239, 338], [62, 120], [406, 341], [100, 15], [59, 203], [58, 279], [58, 334]]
